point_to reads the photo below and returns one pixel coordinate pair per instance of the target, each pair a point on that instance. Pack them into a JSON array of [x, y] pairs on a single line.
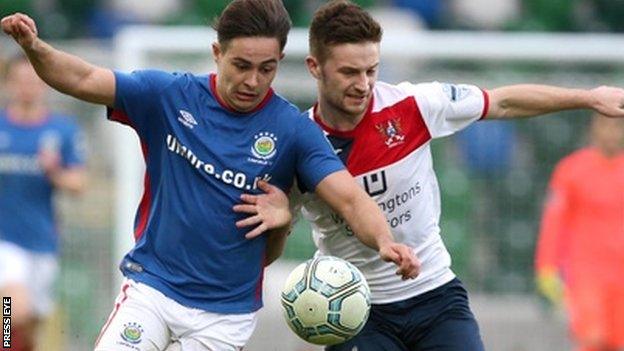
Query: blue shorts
[[439, 320]]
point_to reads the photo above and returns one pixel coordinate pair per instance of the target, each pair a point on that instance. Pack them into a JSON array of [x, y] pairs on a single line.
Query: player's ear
[[313, 66], [216, 51]]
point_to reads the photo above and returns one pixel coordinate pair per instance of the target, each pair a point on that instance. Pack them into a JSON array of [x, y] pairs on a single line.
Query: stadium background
[[491, 203]]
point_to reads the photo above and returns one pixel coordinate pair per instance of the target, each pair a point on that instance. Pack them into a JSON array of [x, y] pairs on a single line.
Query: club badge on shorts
[[132, 333]]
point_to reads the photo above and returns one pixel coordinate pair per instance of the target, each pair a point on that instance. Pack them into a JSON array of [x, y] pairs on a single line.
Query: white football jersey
[[389, 155]]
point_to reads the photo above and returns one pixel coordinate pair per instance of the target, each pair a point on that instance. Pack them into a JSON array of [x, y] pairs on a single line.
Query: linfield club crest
[[391, 130], [132, 333], [264, 146]]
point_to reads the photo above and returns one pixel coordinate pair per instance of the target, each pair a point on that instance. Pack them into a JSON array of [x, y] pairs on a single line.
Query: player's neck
[[27, 113], [337, 119], [609, 152]]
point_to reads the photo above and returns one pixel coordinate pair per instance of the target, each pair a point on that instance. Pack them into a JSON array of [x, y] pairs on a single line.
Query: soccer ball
[[326, 300]]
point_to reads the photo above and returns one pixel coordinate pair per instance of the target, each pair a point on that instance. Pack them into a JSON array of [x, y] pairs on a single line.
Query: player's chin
[[360, 103], [245, 105], [355, 109]]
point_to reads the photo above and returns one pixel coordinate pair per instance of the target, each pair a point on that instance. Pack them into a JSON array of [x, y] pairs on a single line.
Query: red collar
[[213, 89], [339, 133]]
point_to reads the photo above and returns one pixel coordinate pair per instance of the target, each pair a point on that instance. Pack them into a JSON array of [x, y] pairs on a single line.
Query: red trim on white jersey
[[383, 137], [338, 133], [486, 104], [387, 136]]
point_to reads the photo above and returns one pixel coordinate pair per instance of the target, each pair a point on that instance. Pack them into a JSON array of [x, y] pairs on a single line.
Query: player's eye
[[267, 69], [241, 66]]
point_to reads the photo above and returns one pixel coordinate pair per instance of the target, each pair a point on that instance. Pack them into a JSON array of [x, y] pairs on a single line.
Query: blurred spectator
[[105, 19], [483, 14], [580, 252], [40, 152], [487, 148], [430, 11]]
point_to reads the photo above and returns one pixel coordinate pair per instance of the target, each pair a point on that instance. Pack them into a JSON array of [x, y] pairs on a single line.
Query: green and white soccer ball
[[326, 300]]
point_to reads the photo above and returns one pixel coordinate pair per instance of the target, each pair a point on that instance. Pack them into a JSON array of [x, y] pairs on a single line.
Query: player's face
[[608, 134], [347, 76], [23, 85], [246, 68]]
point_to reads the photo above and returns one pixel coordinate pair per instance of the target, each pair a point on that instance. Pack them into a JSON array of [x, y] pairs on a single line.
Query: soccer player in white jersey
[[382, 133], [193, 276]]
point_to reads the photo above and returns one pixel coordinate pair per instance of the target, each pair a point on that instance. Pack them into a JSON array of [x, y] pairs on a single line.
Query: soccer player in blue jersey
[[40, 152], [193, 275]]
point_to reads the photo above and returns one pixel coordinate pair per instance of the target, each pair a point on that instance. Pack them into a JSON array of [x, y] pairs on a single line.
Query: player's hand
[[550, 286], [21, 27], [404, 257], [49, 161], [608, 101], [266, 211]]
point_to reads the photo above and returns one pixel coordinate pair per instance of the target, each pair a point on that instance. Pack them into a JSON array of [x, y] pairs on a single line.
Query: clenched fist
[[21, 27]]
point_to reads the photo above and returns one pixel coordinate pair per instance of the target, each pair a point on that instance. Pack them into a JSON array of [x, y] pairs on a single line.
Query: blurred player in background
[[40, 152], [193, 276], [382, 133], [581, 245]]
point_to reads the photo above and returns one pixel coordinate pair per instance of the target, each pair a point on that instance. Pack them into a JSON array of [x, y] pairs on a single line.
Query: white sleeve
[[295, 202], [447, 108]]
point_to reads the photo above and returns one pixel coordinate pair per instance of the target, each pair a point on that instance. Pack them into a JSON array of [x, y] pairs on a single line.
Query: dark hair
[[341, 22], [253, 18]]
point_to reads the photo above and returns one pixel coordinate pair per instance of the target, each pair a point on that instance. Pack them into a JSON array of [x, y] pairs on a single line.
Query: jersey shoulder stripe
[[392, 129]]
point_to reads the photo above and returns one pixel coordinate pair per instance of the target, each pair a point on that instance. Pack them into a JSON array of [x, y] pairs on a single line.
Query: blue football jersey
[[200, 157], [26, 213]]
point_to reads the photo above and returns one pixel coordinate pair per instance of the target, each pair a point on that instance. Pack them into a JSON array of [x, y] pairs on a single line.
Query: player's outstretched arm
[[528, 100], [66, 73], [340, 191]]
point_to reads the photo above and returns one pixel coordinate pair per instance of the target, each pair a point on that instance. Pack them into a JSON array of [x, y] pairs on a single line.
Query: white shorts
[[144, 319], [36, 272]]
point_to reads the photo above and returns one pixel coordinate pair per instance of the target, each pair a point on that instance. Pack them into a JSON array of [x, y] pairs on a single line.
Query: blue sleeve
[[315, 157], [73, 149], [137, 98]]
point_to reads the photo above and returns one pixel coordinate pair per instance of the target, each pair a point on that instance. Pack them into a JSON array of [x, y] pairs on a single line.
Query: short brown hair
[[253, 18], [341, 22]]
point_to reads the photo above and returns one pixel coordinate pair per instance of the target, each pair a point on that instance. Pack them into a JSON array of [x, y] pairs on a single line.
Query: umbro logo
[[187, 119]]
